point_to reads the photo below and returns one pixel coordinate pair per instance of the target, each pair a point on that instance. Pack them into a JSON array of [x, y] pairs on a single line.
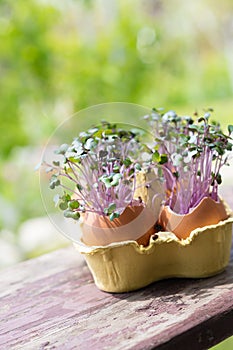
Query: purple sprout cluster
[[189, 156], [97, 172], [98, 169]]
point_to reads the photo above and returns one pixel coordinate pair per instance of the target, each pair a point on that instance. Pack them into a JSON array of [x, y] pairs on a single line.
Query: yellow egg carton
[[127, 266]]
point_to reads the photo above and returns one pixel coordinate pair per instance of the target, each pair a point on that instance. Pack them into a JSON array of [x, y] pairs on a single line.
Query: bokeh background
[[58, 57]]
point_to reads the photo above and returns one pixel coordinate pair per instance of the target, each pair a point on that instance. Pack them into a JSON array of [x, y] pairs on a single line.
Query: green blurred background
[[58, 57]]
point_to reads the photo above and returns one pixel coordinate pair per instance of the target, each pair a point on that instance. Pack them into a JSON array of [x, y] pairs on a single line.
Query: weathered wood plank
[[51, 303]]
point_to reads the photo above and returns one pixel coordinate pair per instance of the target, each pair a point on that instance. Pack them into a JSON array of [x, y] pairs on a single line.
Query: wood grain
[[52, 303]]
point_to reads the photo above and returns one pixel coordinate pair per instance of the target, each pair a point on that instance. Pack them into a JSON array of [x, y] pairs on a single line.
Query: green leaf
[[114, 216], [176, 174], [115, 179], [63, 205], [103, 153], [54, 181], [163, 159], [90, 144], [207, 115], [138, 167], [106, 211], [189, 120], [219, 179], [127, 162], [72, 215], [220, 151], [79, 187], [116, 168], [56, 163], [230, 128], [106, 181], [146, 149], [98, 134], [62, 149], [66, 197], [131, 172], [93, 130], [74, 204], [194, 127], [111, 207], [156, 157]]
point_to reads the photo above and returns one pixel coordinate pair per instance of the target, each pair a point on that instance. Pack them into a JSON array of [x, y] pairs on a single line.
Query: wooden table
[[52, 303]]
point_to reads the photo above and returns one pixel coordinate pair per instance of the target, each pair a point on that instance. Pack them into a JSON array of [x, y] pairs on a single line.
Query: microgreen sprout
[[97, 172], [189, 154]]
